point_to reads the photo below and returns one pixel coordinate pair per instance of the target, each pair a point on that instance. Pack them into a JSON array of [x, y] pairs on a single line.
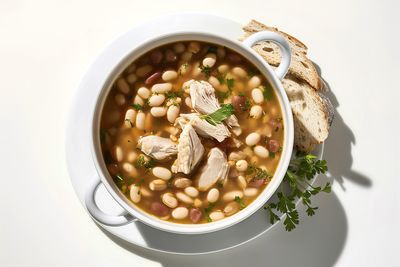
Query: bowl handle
[[280, 41], [99, 215]]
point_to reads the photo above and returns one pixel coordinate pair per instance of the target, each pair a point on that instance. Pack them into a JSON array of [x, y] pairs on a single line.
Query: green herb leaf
[[206, 70], [137, 106], [143, 163], [240, 202], [230, 83], [301, 170], [267, 92], [219, 115]]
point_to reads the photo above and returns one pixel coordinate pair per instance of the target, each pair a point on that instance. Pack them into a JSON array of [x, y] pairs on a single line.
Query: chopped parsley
[[143, 163], [259, 174], [267, 92], [212, 49], [173, 95], [247, 105], [240, 202], [119, 180], [230, 83], [206, 70], [137, 106], [128, 120], [221, 79], [219, 115]]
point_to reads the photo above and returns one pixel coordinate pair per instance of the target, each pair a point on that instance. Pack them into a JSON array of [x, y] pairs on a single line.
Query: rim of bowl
[[262, 198]]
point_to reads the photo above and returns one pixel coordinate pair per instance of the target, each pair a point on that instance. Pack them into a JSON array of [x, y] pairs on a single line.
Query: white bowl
[[135, 214]]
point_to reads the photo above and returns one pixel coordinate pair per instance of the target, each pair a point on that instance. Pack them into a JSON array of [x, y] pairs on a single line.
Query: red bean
[[153, 78], [195, 215], [113, 169], [170, 56], [273, 145], [276, 125], [156, 57], [257, 183], [239, 103], [234, 58], [159, 209]]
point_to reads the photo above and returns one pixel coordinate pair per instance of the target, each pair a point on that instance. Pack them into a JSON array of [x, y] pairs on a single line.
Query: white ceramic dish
[[80, 164], [243, 48]]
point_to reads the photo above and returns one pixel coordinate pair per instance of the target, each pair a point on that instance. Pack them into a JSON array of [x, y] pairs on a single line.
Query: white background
[[45, 48]]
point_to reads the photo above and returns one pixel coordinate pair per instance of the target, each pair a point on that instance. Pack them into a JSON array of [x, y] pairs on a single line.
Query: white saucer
[[79, 160]]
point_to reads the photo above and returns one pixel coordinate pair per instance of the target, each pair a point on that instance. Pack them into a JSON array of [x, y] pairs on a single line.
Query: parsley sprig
[[298, 176], [219, 115], [143, 163]]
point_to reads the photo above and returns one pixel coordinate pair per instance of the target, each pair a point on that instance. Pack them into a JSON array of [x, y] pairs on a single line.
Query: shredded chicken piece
[[216, 169], [157, 147], [202, 95], [203, 128], [190, 151]]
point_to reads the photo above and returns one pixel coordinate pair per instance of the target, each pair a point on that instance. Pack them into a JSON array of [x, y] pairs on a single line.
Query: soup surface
[[191, 132]]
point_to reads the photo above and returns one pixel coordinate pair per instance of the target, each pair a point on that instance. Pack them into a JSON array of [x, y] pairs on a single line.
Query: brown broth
[[115, 132]]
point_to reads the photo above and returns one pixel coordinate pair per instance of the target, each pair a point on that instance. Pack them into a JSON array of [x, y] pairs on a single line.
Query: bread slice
[[301, 67], [312, 113]]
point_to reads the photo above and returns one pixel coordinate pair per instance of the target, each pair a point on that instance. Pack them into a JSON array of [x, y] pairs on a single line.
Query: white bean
[[194, 47], [221, 52], [196, 70], [135, 194], [217, 215], [144, 70], [197, 203], [140, 118], [182, 182], [120, 99], [257, 95], [237, 155], [158, 111], [188, 102], [191, 191], [162, 173], [145, 192], [254, 81], [230, 196], [180, 213], [213, 195], [261, 151], [214, 82], [169, 200], [186, 56], [131, 157], [209, 60], [184, 68], [172, 113], [117, 153], [179, 48], [148, 122], [143, 92], [123, 86], [184, 198], [231, 208], [157, 185], [252, 139], [242, 182], [251, 192], [238, 71], [241, 165], [131, 78], [130, 169], [256, 111], [223, 69], [169, 75], [130, 117], [156, 100], [161, 88], [138, 100]]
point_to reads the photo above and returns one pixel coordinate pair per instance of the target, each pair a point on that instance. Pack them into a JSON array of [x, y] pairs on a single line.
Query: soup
[[191, 132]]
